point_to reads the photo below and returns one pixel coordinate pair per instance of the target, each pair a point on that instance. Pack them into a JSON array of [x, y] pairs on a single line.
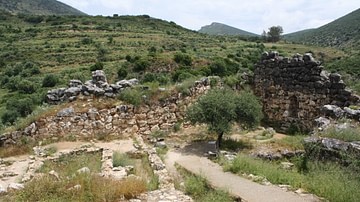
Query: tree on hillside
[[220, 108], [274, 33]]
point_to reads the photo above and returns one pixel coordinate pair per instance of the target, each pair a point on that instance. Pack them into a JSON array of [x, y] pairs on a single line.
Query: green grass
[[327, 180], [199, 189], [290, 142], [348, 134], [120, 159], [69, 164]]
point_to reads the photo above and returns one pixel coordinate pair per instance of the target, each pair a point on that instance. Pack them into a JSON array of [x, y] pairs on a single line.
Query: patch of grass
[[265, 135], [347, 134], [144, 170], [90, 188], [328, 180], [14, 150], [120, 159], [161, 151], [272, 171], [69, 164], [50, 150], [235, 145], [290, 142], [131, 96], [198, 188]]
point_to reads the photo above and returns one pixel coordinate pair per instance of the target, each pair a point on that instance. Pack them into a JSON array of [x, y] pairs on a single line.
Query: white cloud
[[253, 15]]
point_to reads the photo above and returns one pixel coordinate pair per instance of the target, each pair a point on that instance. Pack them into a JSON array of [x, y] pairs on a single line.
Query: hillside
[[343, 33], [222, 29], [45, 52], [38, 7]]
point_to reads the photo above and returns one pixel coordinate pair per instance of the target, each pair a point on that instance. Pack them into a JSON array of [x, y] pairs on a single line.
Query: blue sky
[[254, 16]]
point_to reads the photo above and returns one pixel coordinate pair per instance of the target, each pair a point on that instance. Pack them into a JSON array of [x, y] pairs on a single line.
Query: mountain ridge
[[38, 7], [216, 28], [342, 32]]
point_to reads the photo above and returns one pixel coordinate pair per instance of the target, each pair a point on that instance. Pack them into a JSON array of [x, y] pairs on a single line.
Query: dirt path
[[236, 185]]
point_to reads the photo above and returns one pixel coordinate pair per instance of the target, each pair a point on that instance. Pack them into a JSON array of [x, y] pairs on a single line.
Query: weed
[[122, 160], [348, 134], [68, 165], [328, 180]]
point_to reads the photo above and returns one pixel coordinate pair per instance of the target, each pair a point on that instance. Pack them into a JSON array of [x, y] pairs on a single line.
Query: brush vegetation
[[328, 180]]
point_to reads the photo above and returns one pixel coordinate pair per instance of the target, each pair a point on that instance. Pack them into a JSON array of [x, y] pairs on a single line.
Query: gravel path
[[236, 185]]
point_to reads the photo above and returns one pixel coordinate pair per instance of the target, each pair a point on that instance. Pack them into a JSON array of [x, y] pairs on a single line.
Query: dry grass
[[14, 150], [90, 188]]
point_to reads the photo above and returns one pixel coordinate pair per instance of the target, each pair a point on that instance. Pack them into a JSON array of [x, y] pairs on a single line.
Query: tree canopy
[[220, 108], [274, 34]]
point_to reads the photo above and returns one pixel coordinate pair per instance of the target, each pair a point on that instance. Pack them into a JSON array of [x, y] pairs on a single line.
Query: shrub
[[9, 116], [97, 66], [122, 73], [50, 80], [26, 86], [141, 65], [131, 96], [24, 106], [183, 59], [86, 41], [122, 160]]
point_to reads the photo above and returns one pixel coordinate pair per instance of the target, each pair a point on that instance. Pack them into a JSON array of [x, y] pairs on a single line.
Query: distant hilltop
[[38, 7], [221, 29]]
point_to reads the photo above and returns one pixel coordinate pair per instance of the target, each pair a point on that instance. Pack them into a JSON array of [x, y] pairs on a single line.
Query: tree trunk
[[219, 140]]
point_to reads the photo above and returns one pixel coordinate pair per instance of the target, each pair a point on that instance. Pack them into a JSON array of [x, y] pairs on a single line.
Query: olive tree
[[274, 33], [220, 108]]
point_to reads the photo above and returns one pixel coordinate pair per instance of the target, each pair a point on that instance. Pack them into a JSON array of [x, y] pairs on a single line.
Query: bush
[[97, 66], [50, 80], [24, 106], [183, 59], [131, 96], [141, 65], [86, 41], [9, 117], [26, 86], [122, 73]]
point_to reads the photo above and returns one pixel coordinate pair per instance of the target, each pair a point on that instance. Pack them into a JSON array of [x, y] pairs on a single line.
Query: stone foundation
[[119, 121]]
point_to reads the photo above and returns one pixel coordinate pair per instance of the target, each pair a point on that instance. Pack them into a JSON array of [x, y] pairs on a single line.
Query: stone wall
[[293, 90], [121, 121]]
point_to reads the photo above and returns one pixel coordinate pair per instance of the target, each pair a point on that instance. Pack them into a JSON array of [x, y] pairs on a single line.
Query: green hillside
[[226, 30], [39, 49], [343, 33], [38, 7]]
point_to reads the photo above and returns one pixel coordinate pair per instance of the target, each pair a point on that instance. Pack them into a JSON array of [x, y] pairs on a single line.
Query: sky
[[250, 15]]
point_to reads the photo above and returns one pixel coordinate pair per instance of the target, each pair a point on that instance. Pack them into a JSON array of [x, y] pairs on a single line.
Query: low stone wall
[[293, 90], [121, 121]]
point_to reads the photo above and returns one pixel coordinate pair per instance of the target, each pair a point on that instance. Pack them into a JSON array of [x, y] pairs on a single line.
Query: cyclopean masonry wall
[[293, 90], [120, 121]]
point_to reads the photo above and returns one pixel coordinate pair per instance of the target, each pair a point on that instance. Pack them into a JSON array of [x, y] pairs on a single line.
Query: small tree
[[274, 33], [50, 80], [220, 108]]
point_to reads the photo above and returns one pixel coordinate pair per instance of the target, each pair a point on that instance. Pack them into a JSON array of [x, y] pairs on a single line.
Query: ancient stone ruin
[[294, 90], [98, 87]]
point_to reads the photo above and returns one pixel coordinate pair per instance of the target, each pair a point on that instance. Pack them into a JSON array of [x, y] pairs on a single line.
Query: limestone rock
[[67, 112], [83, 170]]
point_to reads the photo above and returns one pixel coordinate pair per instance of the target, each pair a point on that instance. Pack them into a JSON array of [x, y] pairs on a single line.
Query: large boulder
[[99, 78]]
